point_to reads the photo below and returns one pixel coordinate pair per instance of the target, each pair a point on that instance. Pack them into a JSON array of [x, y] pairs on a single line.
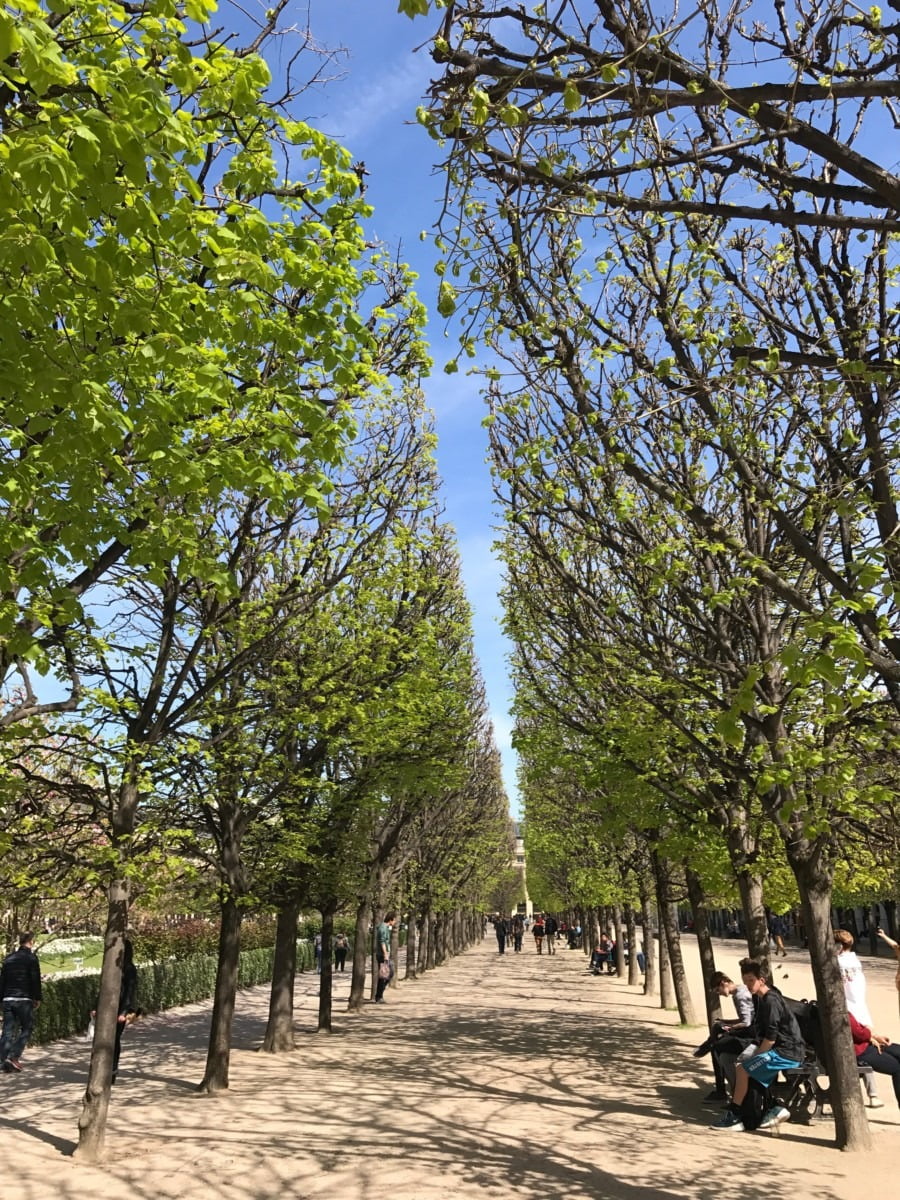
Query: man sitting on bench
[[780, 1048], [727, 1039]]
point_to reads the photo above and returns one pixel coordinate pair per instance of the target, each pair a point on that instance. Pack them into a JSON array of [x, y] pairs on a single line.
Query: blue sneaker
[[729, 1120], [774, 1117]]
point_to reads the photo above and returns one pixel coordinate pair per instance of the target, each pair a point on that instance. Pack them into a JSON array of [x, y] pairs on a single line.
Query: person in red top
[[880, 1053], [538, 931]]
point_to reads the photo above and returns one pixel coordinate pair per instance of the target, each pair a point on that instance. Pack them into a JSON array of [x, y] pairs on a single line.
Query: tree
[[174, 308], [676, 344]]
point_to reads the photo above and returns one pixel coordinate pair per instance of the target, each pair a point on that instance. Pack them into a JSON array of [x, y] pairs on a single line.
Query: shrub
[[68, 1000]]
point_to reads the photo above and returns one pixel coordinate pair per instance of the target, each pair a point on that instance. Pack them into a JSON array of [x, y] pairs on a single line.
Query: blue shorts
[[764, 1067]]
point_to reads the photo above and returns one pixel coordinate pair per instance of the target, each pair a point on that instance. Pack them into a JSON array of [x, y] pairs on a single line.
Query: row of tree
[[676, 235], [236, 655]]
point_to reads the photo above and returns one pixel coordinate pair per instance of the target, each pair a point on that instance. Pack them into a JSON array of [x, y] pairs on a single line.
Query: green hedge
[[68, 1001]]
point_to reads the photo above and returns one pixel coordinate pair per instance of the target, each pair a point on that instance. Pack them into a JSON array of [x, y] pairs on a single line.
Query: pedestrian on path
[[550, 928], [501, 929], [128, 1009], [518, 930], [20, 992], [538, 931], [341, 946], [383, 954]]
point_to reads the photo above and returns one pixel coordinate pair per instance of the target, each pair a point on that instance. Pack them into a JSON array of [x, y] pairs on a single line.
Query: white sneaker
[[874, 1102], [774, 1117]]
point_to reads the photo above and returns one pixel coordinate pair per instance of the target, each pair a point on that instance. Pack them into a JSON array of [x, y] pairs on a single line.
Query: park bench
[[803, 1093]]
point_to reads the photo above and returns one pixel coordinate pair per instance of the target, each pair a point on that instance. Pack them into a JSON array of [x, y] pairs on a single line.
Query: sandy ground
[[491, 1077]]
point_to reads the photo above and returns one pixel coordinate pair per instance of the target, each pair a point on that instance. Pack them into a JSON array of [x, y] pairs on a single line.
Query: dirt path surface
[[493, 1077]]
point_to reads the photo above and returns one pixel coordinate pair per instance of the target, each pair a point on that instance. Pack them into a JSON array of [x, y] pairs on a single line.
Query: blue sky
[[368, 103]]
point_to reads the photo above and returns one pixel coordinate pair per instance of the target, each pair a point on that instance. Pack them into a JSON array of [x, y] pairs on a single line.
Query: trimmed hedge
[[68, 1000]]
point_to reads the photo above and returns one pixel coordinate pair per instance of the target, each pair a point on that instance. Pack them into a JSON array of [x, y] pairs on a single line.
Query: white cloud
[[397, 87]]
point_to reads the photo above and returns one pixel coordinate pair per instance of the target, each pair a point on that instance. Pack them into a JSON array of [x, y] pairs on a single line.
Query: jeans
[[18, 1022]]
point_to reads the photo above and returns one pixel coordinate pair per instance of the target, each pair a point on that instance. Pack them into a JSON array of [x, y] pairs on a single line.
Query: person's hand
[[879, 1041]]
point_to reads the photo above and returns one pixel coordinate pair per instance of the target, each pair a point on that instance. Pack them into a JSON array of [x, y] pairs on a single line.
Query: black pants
[[117, 1049], [340, 957], [887, 1062], [382, 983]]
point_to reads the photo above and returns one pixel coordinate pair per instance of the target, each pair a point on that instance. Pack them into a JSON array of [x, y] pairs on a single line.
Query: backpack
[[806, 1014], [754, 1105]]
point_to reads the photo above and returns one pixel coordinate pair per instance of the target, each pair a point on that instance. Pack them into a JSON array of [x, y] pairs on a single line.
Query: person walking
[[538, 932], [518, 930], [383, 954], [501, 930], [778, 932], [20, 993], [550, 928], [127, 1003], [341, 946]]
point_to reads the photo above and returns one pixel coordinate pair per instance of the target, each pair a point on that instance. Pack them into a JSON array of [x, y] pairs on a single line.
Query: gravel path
[[491, 1077]]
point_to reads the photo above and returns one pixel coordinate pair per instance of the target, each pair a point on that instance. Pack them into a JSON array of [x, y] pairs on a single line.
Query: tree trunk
[[326, 961], [280, 1028], [814, 884], [666, 987], [395, 953], [424, 941], [668, 934], [411, 945], [650, 969], [360, 956], [750, 886], [218, 1055], [620, 949], [704, 943], [92, 1121], [596, 927]]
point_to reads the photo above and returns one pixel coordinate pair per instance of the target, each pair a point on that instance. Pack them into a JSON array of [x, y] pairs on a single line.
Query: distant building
[[524, 907]]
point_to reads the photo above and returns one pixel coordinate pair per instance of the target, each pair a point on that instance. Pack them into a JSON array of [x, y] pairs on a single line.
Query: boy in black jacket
[[780, 1048], [20, 992]]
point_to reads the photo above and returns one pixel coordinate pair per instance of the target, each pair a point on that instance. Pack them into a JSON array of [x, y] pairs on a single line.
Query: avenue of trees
[[235, 652], [674, 234]]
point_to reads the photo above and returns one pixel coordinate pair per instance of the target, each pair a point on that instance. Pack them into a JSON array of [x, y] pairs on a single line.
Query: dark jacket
[[776, 1023], [20, 976]]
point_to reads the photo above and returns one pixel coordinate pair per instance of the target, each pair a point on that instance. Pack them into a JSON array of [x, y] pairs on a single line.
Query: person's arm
[[895, 946], [743, 1003], [36, 993], [860, 1033], [767, 1022]]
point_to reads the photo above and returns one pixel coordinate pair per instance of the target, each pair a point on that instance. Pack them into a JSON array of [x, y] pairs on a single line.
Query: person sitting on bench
[[877, 1052], [727, 1039], [780, 1048]]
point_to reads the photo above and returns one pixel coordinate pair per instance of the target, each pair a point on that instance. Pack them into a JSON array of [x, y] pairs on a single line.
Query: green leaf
[[571, 96]]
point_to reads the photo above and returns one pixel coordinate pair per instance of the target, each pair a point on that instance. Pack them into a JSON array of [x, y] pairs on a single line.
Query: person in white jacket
[[854, 982]]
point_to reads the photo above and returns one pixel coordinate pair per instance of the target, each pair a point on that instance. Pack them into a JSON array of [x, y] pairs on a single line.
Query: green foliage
[[67, 1002], [155, 347]]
